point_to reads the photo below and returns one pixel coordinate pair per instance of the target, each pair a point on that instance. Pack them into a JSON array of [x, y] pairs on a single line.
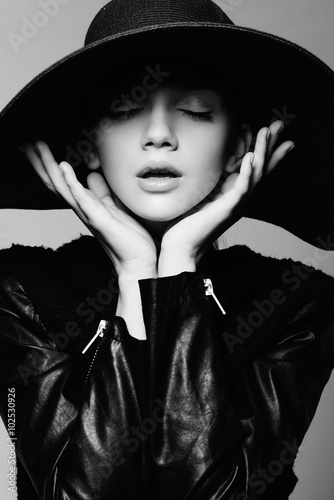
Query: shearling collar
[[261, 294]]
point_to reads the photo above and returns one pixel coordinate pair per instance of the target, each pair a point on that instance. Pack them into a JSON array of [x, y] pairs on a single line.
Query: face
[[165, 154]]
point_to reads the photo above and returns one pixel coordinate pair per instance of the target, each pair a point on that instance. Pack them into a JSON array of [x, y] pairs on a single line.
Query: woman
[[172, 396]]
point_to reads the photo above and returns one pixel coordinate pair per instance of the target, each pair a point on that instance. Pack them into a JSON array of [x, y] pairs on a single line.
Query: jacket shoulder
[[81, 260], [74, 284], [267, 298], [80, 265], [246, 271]]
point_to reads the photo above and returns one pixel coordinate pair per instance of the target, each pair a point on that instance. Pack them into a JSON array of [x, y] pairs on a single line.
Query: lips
[[158, 170], [158, 173], [159, 177]]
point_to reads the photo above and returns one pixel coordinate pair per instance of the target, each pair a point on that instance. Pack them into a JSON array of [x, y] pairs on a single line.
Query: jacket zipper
[[209, 291], [99, 333]]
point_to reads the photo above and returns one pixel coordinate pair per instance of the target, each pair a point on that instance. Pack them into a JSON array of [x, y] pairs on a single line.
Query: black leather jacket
[[208, 407]]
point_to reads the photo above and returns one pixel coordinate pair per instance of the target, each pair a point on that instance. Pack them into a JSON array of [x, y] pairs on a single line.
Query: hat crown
[[119, 16]]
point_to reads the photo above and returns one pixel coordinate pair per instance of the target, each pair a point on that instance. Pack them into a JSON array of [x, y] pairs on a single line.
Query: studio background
[[307, 22]]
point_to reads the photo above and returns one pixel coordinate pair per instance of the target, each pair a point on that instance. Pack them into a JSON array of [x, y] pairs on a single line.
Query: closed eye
[[131, 113], [197, 115], [125, 115]]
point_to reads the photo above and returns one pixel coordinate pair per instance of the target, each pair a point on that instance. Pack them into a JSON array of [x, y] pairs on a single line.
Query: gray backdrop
[[307, 22]]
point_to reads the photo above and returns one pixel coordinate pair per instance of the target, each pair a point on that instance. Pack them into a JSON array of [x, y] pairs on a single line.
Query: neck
[[155, 228]]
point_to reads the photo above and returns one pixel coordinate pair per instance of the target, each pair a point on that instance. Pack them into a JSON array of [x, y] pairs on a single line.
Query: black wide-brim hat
[[277, 79]]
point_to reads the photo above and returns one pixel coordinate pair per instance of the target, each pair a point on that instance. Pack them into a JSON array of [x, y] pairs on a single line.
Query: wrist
[[127, 276], [129, 305], [173, 263]]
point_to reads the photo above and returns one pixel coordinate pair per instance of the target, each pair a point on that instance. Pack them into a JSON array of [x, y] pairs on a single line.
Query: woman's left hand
[[185, 241]]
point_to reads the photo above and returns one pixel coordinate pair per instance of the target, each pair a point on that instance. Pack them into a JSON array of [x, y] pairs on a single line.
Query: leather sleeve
[[157, 419], [69, 450], [229, 441]]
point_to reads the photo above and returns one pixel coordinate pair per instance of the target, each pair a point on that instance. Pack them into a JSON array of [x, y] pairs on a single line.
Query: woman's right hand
[[126, 242]]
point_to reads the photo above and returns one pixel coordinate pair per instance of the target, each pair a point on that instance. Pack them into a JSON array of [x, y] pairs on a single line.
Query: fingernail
[[268, 134], [252, 159], [281, 128], [291, 148]]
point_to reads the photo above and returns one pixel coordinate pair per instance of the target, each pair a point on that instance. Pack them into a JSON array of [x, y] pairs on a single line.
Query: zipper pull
[[99, 333], [209, 291]]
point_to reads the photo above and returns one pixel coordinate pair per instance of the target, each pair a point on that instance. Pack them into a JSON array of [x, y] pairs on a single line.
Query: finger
[[56, 177], [53, 171], [279, 154], [275, 129], [90, 204], [229, 183], [240, 187], [38, 166], [260, 153], [100, 188], [229, 204], [243, 184]]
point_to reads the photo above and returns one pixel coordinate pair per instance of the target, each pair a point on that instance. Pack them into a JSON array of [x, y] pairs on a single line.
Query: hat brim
[[279, 80]]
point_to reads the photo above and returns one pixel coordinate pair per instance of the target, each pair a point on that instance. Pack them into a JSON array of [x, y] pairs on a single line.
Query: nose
[[159, 132]]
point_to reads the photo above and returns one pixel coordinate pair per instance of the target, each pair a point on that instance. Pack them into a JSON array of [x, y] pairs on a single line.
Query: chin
[[163, 217], [160, 212]]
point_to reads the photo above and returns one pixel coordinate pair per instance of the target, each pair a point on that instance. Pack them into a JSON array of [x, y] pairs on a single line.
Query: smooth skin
[[151, 235]]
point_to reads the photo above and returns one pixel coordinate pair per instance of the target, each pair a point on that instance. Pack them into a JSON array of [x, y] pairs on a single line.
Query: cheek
[[209, 139], [209, 154], [203, 175], [116, 154], [115, 146], [200, 186], [218, 141]]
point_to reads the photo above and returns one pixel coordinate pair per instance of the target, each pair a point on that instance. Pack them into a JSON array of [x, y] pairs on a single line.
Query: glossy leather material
[[172, 417]]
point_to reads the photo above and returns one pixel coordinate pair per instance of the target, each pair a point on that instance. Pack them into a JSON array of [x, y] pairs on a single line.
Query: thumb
[[97, 184], [229, 183]]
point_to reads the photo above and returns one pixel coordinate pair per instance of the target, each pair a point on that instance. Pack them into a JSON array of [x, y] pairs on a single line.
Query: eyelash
[[125, 115], [131, 113], [200, 116]]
